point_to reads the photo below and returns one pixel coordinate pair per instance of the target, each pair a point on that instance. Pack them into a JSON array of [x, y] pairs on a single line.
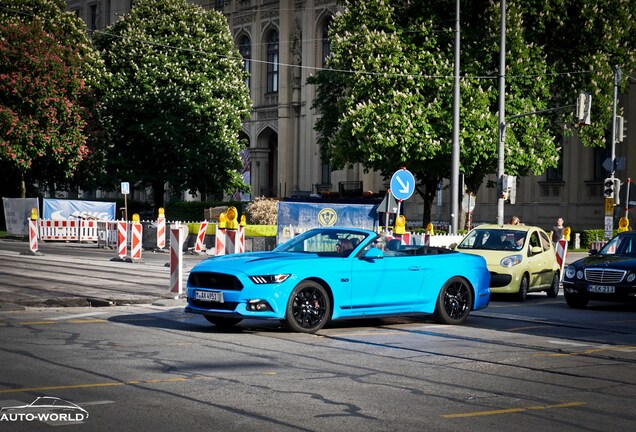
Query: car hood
[[614, 261], [260, 262], [492, 257]]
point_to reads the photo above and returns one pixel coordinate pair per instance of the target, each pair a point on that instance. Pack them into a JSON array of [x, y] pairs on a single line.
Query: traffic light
[[608, 187]]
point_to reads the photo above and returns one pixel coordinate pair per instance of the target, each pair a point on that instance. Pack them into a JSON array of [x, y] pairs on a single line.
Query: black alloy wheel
[[553, 292], [454, 302], [523, 288], [308, 308]]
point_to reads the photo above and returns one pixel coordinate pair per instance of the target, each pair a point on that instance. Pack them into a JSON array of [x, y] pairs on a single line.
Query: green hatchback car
[[520, 258]]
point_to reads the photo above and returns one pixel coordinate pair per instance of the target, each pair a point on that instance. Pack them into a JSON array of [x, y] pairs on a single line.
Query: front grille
[[219, 281], [605, 276], [228, 306]]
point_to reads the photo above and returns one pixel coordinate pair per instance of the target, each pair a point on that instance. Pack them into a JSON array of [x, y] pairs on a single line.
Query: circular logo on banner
[[327, 217]]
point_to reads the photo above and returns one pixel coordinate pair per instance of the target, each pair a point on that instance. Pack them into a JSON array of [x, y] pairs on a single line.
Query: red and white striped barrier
[[240, 240], [230, 241], [177, 237], [561, 254], [598, 245], [69, 230], [161, 232], [122, 239], [199, 245], [33, 235], [220, 242], [107, 234], [135, 248]]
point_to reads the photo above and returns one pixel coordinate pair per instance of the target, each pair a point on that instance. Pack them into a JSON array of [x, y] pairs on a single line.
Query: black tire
[[454, 302], [553, 292], [308, 308], [523, 288], [223, 321], [576, 301]]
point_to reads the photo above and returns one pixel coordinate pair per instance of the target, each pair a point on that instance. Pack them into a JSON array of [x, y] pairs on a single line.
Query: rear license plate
[[603, 289], [211, 296]]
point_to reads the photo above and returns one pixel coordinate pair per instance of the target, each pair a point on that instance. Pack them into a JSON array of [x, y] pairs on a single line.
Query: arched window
[[245, 49], [326, 44], [272, 62]]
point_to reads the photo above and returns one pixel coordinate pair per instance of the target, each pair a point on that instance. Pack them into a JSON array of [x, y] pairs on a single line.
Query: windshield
[[620, 245], [325, 242], [494, 239]]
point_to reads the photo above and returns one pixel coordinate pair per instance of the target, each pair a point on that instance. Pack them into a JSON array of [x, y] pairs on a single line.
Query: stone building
[[283, 42]]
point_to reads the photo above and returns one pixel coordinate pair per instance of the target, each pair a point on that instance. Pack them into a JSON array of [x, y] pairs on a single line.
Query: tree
[[175, 100], [387, 97], [47, 72]]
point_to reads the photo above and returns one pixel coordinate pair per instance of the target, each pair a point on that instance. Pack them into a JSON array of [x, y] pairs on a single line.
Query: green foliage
[[588, 236], [175, 100], [48, 70], [386, 100]]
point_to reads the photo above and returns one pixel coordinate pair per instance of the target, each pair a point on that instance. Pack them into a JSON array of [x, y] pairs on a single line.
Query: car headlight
[[270, 279], [511, 260], [631, 277], [570, 271]]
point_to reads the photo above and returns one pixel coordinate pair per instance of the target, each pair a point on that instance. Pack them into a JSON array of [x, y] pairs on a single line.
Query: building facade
[[284, 42]]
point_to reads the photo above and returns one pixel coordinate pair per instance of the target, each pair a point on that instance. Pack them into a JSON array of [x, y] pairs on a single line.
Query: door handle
[[415, 268]]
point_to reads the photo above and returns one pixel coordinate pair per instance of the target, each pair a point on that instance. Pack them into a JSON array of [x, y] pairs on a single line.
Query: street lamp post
[[502, 116]]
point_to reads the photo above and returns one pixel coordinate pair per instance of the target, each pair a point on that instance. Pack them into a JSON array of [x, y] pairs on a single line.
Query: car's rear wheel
[[553, 292], [454, 302], [576, 301], [308, 307], [523, 288], [222, 321]]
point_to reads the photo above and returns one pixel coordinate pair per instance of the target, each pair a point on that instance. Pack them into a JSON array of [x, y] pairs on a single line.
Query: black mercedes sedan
[[605, 275]]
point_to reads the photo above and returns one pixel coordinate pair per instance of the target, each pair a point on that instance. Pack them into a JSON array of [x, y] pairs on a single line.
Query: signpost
[[125, 190], [402, 186]]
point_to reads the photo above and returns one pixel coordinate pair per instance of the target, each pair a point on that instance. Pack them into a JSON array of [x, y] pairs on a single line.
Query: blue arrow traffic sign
[[402, 184]]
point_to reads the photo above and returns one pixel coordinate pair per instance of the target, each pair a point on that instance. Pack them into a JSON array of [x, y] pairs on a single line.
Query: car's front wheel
[[308, 307], [553, 292], [454, 302], [222, 321], [523, 288]]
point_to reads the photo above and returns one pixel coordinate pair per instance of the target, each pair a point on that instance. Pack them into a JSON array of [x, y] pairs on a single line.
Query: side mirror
[[593, 252], [373, 254], [536, 250], [453, 246]]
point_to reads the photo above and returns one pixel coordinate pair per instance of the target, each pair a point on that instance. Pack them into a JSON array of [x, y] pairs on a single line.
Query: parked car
[[605, 275], [521, 258], [310, 280]]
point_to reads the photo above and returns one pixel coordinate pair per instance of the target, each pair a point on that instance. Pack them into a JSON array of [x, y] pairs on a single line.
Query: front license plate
[[603, 289], [211, 296]]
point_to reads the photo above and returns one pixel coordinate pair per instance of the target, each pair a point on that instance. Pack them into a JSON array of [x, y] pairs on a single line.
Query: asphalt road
[[143, 364]]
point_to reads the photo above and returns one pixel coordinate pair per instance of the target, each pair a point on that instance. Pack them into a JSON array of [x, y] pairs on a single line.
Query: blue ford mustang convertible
[[335, 273]]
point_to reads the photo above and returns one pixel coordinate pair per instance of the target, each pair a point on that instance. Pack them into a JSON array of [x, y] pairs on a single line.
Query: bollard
[[122, 239], [199, 245], [176, 258], [33, 234], [561, 254], [135, 246], [161, 229]]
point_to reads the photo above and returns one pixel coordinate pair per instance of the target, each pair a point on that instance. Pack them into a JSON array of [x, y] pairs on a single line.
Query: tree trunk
[[22, 186], [158, 192], [428, 195]]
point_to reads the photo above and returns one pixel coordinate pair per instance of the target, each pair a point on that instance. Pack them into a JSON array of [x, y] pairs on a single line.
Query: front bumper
[[622, 292]]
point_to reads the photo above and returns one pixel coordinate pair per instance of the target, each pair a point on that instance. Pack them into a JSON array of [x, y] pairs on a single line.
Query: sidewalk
[[74, 274]]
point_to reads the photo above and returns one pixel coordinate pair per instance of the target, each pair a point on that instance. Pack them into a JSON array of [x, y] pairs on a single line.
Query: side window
[[546, 241], [534, 240]]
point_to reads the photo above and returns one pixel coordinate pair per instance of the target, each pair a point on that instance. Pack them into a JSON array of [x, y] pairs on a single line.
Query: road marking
[[512, 410], [68, 317], [527, 328], [95, 385], [595, 350], [568, 343]]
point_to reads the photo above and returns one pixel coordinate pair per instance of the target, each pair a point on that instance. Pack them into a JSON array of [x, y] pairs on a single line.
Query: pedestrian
[[557, 231], [514, 221]]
